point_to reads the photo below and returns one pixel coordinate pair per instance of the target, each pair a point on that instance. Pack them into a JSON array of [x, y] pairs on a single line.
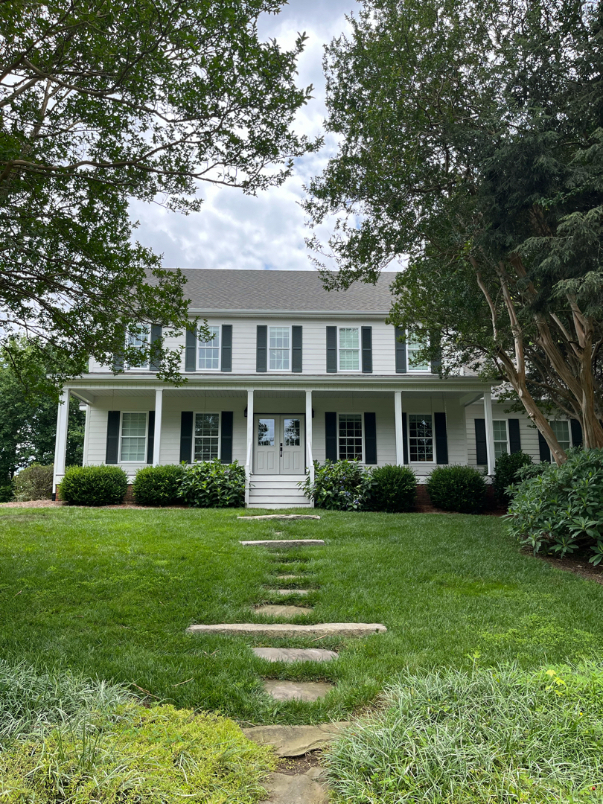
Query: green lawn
[[111, 592]]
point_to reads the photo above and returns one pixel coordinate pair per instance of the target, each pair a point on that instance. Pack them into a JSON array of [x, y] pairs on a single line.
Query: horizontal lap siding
[[528, 433]]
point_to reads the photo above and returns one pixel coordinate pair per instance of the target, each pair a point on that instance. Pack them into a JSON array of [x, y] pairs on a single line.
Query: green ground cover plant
[[158, 485], [500, 735], [457, 488], [94, 485], [109, 593], [340, 486]]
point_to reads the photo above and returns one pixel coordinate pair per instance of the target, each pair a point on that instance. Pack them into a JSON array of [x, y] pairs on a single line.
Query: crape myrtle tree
[[471, 143], [105, 101]]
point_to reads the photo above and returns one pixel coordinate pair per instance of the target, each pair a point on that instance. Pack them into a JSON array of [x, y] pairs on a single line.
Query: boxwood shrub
[[33, 483], [505, 474], [340, 486], [158, 485], [211, 484], [457, 488], [394, 489], [94, 485]]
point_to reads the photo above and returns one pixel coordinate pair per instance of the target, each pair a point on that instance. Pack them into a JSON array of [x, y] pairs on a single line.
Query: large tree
[[471, 142], [102, 101]]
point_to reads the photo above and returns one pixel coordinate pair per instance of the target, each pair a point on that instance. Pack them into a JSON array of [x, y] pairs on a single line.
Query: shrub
[[158, 485], [505, 473], [339, 486], [491, 735], [94, 485], [457, 488], [394, 489], [33, 483], [559, 510], [6, 492], [211, 484]]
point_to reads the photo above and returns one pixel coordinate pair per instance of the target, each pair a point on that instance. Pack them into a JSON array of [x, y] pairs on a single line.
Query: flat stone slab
[[297, 690], [295, 741], [283, 543], [290, 591], [302, 789], [290, 578], [290, 629], [290, 655], [281, 516], [282, 611]]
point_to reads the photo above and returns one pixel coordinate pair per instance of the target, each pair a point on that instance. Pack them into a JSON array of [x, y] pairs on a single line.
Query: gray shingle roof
[[296, 291]]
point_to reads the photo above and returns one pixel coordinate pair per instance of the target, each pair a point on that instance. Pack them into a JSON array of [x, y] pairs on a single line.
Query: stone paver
[[290, 591], [283, 543], [291, 578], [275, 610], [290, 655], [282, 690], [302, 789], [281, 516], [290, 630], [295, 741]]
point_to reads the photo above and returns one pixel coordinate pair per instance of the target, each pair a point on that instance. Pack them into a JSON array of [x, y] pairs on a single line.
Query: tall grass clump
[[501, 736]]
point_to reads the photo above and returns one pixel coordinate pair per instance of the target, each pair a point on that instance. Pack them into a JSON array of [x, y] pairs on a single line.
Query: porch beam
[[309, 459], [489, 430], [249, 458], [60, 444], [157, 431], [398, 426]]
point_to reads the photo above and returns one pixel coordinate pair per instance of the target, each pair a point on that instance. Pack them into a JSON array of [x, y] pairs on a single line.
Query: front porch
[[274, 430]]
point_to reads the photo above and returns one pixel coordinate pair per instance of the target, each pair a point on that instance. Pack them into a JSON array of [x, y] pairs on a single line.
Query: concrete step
[[283, 543], [272, 506], [291, 655], [284, 592], [282, 611], [287, 630], [297, 690]]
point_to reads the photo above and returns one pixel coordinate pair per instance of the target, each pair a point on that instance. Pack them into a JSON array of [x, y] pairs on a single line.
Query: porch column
[[398, 428], [60, 444], [489, 430], [309, 459], [157, 431], [249, 458]]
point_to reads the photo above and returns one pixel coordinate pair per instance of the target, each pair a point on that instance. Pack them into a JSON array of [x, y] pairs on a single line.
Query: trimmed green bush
[[506, 474], [211, 484], [457, 488], [158, 485], [394, 490], [6, 492], [33, 483], [559, 509], [339, 486], [489, 736], [94, 485]]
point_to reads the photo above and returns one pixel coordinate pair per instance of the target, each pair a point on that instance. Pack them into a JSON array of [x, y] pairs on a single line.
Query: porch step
[[277, 491]]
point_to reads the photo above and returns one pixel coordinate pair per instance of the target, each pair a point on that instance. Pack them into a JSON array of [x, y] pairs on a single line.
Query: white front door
[[279, 445]]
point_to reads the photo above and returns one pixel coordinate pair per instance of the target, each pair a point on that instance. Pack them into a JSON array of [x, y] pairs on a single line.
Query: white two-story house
[[293, 374]]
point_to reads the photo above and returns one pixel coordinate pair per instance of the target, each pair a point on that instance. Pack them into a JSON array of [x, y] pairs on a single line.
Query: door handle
[[281, 450]]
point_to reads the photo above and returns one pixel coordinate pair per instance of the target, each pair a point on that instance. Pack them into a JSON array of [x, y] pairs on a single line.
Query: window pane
[[133, 436], [139, 340], [207, 429], [349, 349], [499, 429], [350, 436], [209, 350], [412, 347], [279, 348], [420, 437], [266, 433], [292, 432], [561, 430]]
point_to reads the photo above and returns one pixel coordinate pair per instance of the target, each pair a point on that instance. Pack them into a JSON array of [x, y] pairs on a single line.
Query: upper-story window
[[209, 350], [139, 340], [413, 346], [349, 349], [279, 348]]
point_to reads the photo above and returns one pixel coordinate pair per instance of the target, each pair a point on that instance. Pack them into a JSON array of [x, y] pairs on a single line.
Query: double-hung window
[[350, 436], [139, 339], [562, 432], [501, 442], [420, 437], [279, 348], [209, 350], [413, 346], [349, 349], [207, 436], [133, 437]]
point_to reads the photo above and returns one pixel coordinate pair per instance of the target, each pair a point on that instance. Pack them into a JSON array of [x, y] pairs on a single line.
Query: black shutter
[[576, 433], [151, 437], [190, 359], [296, 349], [405, 437], [113, 420], [261, 352], [331, 436], [481, 446], [367, 350], [370, 438], [543, 449], [514, 436], [400, 351], [117, 364], [436, 363], [226, 437], [441, 437], [226, 357], [156, 333], [186, 436], [332, 350]]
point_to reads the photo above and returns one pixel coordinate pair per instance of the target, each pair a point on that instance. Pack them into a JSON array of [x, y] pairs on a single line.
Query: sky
[[267, 232]]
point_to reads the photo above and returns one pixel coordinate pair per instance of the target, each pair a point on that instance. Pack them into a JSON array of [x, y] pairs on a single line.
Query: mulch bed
[[579, 565]]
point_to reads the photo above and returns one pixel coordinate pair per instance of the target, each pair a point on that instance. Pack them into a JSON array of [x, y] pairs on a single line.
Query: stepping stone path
[[292, 741]]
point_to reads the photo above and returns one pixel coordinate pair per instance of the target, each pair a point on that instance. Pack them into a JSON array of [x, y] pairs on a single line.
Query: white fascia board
[[292, 314]]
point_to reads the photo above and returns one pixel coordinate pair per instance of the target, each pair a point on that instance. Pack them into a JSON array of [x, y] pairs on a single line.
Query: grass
[[109, 594]]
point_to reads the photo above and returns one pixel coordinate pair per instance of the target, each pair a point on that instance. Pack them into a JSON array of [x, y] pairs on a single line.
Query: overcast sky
[[267, 232]]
